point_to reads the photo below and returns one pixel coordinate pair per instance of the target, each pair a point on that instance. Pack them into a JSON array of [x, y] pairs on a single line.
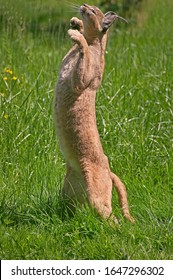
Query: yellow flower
[[5, 116], [8, 71], [2, 94], [5, 78], [14, 78]]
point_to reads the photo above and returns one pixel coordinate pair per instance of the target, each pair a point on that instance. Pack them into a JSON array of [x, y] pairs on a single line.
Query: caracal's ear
[[108, 20]]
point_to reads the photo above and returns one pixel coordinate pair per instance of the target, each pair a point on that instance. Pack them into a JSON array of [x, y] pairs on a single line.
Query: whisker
[[73, 7]]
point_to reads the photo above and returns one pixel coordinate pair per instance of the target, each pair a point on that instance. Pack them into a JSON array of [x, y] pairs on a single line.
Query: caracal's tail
[[122, 195]]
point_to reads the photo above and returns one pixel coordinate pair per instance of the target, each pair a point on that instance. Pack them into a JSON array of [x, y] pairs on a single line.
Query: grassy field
[[135, 121]]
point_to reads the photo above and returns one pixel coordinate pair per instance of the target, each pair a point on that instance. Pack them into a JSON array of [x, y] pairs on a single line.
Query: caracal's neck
[[97, 42]]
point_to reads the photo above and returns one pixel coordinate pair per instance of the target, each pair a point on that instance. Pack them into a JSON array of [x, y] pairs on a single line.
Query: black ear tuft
[[108, 20]]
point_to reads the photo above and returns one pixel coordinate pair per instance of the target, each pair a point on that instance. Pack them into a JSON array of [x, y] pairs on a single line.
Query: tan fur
[[88, 174]]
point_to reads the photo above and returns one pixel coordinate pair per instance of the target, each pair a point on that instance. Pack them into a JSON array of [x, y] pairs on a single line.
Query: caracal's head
[[95, 22]]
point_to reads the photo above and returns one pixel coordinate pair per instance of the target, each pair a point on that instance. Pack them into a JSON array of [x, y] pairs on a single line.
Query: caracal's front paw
[[77, 24], [75, 35]]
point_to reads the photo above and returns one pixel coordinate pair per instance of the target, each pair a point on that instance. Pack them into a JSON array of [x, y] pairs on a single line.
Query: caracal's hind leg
[[73, 191], [99, 190]]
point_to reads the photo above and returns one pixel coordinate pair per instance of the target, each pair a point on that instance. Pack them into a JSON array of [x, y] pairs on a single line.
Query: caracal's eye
[[93, 11]]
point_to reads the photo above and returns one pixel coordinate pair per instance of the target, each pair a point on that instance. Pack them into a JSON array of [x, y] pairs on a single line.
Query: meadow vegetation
[[135, 122]]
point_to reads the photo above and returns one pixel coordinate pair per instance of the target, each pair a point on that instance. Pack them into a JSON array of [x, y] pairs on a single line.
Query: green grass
[[135, 121]]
